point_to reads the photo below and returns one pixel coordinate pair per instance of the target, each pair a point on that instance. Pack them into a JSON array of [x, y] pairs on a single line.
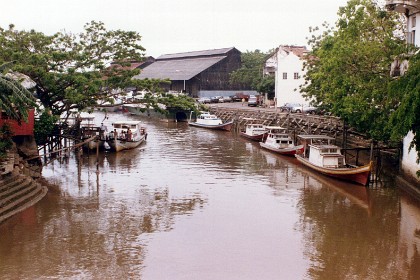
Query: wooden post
[[97, 157], [370, 159], [357, 157]]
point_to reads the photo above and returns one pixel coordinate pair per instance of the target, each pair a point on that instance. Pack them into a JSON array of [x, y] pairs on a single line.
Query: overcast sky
[[172, 26]]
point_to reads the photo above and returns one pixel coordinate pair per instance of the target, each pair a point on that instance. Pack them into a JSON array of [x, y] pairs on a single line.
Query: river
[[200, 204]]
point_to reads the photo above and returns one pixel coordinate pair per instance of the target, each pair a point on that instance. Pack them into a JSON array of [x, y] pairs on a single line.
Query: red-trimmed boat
[[255, 132], [321, 155], [279, 141]]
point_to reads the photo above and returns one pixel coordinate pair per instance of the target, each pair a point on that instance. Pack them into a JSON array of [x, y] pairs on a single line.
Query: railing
[[402, 6]]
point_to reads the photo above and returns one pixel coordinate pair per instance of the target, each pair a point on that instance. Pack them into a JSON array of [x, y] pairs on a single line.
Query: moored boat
[[88, 129], [321, 155], [254, 131], [126, 135], [88, 132], [279, 141], [207, 120]]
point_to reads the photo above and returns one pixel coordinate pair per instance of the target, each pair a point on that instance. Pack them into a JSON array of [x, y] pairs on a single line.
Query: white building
[[287, 65], [411, 9]]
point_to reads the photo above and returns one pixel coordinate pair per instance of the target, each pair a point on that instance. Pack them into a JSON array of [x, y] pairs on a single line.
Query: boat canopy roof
[[326, 146], [275, 128], [126, 122], [315, 137]]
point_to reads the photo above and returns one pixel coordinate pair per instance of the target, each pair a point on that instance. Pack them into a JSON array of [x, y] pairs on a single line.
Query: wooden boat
[[254, 131], [279, 141], [89, 131], [126, 135], [207, 120], [321, 155]]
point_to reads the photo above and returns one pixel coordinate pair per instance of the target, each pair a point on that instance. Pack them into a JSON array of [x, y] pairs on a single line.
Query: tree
[[72, 71], [267, 85], [250, 73], [347, 70]]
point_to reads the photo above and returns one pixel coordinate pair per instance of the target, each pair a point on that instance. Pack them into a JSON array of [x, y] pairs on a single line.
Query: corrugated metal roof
[[178, 70], [215, 52]]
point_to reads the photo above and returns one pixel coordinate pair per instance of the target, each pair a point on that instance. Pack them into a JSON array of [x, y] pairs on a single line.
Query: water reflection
[[343, 239]]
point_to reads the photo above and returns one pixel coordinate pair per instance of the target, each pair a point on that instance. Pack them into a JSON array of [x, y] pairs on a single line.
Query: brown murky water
[[199, 204]]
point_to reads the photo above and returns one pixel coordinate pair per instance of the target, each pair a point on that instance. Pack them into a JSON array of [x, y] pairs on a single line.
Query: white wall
[[409, 158], [285, 88], [412, 23]]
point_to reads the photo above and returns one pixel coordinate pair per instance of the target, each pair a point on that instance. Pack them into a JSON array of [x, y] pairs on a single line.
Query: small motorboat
[[126, 135], [255, 132], [279, 141], [321, 155], [207, 120]]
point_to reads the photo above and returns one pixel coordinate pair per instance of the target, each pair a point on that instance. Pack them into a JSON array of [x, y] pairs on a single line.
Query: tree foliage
[[71, 71], [250, 73], [44, 127], [267, 85], [348, 67]]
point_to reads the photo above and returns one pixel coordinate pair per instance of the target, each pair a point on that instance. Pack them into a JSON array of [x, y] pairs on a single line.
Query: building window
[[296, 76], [284, 76], [411, 37], [413, 22]]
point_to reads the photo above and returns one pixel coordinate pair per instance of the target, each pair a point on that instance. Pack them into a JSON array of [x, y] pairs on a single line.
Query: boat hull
[[283, 151], [224, 126], [257, 137], [94, 144], [121, 144], [358, 175]]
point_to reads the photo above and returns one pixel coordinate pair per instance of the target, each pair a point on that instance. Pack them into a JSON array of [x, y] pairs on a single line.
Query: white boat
[[255, 132], [321, 155], [279, 141], [135, 108], [207, 120], [126, 135], [110, 106]]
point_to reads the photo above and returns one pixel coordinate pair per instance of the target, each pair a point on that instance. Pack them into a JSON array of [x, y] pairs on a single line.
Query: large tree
[[72, 70], [250, 72], [349, 65]]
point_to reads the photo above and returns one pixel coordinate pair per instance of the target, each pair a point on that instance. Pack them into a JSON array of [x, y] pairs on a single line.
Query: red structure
[[24, 129]]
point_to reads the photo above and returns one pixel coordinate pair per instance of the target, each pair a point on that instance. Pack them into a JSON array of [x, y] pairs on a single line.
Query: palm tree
[[15, 99]]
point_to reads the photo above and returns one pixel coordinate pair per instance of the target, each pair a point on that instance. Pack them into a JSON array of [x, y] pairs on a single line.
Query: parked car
[[236, 98], [307, 109], [214, 99], [227, 99], [219, 98], [290, 107], [204, 100], [252, 100]]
